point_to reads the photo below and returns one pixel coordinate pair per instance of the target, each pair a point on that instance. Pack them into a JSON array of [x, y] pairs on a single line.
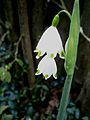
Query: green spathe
[[70, 58], [72, 44]]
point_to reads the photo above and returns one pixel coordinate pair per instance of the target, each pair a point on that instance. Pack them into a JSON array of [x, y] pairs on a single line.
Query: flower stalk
[[70, 58], [55, 20], [64, 99], [65, 11]]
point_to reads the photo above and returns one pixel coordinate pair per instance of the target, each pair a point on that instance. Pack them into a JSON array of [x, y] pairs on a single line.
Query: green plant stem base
[[64, 98]]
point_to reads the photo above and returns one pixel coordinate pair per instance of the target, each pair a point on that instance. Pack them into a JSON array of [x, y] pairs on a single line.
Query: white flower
[[50, 43], [47, 66]]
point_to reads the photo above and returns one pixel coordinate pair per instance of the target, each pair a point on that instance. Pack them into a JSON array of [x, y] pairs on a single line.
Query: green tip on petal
[[55, 20], [38, 72], [52, 55], [46, 76], [62, 54], [36, 50], [39, 54]]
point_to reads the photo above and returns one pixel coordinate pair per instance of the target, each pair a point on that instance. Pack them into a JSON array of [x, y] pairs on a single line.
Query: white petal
[[55, 76], [47, 67], [50, 42], [54, 43]]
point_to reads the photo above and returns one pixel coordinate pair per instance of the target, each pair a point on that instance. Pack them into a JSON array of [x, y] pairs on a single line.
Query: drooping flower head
[[47, 66], [50, 43]]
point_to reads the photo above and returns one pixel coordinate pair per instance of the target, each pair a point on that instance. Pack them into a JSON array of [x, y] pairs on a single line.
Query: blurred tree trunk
[[9, 18], [82, 75], [37, 20], [8, 11], [26, 41]]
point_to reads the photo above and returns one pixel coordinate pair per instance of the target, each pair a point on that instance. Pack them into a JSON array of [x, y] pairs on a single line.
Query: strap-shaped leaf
[[72, 44]]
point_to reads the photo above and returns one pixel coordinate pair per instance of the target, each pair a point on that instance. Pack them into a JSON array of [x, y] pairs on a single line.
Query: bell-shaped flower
[[50, 43], [47, 66]]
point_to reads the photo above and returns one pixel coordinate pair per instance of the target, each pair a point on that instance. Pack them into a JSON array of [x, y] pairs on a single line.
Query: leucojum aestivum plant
[[50, 45]]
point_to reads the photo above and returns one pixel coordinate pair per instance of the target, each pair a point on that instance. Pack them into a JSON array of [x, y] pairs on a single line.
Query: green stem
[[64, 98], [65, 11], [55, 20]]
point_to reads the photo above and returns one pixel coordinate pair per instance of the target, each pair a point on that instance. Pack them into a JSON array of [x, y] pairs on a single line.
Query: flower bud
[[55, 20]]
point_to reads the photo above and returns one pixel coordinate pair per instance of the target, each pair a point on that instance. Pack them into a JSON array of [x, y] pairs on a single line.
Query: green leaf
[[5, 75], [3, 108], [2, 73], [8, 66], [19, 61], [72, 44]]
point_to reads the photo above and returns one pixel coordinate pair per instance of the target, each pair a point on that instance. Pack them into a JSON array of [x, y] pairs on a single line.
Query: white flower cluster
[[49, 45]]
